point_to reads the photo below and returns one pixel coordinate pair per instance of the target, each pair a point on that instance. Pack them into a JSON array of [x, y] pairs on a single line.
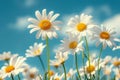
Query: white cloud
[[113, 22], [30, 3], [88, 10], [20, 23]]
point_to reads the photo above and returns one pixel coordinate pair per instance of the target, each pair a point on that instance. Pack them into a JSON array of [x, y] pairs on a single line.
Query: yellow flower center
[[90, 69], [32, 76], [57, 78], [104, 35], [116, 63], [81, 27], [9, 69], [51, 73], [45, 24], [73, 45], [37, 52]]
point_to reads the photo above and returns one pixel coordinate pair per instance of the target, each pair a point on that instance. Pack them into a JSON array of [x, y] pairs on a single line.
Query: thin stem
[[77, 66], [83, 63], [87, 50], [19, 77], [64, 71], [41, 62], [101, 49], [12, 77], [48, 56], [87, 47]]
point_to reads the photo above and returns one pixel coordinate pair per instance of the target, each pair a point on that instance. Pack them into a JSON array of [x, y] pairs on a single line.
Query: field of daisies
[[80, 28]]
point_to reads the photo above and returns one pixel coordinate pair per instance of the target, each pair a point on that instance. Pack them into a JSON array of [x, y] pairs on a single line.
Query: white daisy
[[35, 50], [46, 25], [31, 74], [116, 61], [61, 57], [107, 70], [57, 77], [71, 73], [80, 25], [105, 35], [6, 56], [107, 60], [14, 67], [71, 44], [93, 66], [55, 63]]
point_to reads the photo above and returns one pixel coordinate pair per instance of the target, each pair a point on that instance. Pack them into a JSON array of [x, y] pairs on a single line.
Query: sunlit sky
[[15, 37]]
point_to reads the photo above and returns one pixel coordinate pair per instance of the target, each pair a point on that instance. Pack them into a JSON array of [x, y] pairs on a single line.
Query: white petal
[[32, 26], [34, 21], [38, 34], [44, 13], [34, 29], [54, 17], [50, 14], [38, 15]]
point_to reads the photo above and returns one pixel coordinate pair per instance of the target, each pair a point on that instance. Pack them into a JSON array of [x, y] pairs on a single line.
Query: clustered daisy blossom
[[35, 50], [80, 28]]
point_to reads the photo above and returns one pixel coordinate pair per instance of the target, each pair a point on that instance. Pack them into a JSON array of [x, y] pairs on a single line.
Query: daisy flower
[[107, 60], [14, 67], [6, 56], [55, 63], [105, 35], [35, 50], [71, 44], [80, 25], [107, 69], [32, 74], [71, 73], [116, 61], [93, 66], [57, 77], [61, 57], [46, 25]]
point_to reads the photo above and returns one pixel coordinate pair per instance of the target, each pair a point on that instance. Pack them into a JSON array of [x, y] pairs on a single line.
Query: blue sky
[[15, 37]]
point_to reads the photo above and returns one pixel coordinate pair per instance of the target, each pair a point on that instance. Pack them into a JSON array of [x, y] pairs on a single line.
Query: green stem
[[12, 77], [87, 47], [19, 77], [83, 63], [77, 66], [87, 50], [41, 62], [99, 62], [64, 71], [48, 56]]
